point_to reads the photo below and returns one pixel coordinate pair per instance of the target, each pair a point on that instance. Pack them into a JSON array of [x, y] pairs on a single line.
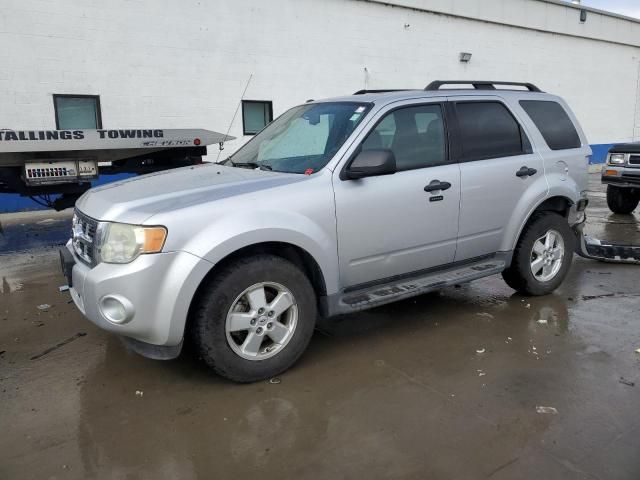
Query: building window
[[77, 111], [256, 115]]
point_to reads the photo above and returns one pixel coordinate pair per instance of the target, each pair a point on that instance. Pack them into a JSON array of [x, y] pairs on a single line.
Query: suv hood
[[136, 199]]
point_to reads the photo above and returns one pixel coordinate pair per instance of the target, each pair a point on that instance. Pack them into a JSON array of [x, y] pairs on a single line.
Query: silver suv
[[337, 206]]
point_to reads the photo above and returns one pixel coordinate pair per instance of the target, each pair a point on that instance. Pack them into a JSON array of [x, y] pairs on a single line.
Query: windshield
[[303, 139]]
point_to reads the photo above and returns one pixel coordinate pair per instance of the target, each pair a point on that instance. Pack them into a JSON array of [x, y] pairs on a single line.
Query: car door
[[399, 224], [497, 167]]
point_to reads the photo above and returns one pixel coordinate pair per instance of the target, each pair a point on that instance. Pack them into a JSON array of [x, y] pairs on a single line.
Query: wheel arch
[[288, 251], [560, 204]]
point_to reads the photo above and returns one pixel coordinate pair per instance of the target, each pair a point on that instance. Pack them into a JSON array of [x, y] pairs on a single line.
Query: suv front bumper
[[146, 300]]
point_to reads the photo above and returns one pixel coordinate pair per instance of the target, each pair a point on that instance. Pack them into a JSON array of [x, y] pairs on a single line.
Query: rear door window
[[489, 130], [553, 122]]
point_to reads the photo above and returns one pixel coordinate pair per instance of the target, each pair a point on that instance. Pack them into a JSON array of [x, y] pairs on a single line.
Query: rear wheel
[[542, 257], [254, 318], [621, 200]]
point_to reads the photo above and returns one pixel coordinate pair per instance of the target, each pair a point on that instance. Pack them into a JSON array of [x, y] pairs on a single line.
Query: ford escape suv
[[337, 206]]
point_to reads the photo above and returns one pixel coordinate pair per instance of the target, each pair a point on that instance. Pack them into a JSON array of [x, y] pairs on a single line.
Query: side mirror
[[370, 163]]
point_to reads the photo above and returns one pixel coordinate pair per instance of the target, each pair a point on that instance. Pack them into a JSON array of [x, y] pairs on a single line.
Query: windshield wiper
[[261, 166]]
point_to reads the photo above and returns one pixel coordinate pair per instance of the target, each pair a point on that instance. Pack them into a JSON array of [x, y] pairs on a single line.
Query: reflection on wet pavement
[[27, 231], [396, 392]]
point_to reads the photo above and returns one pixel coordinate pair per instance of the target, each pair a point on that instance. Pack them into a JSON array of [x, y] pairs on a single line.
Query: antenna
[[234, 115]]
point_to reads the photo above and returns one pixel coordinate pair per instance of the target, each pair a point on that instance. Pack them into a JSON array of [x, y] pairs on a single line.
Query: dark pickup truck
[[622, 176]]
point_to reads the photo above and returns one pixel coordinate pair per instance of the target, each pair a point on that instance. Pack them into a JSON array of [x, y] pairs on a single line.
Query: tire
[[621, 200], [232, 354], [520, 276]]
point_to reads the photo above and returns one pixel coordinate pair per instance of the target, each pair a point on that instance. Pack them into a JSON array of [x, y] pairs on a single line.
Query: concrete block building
[[234, 65]]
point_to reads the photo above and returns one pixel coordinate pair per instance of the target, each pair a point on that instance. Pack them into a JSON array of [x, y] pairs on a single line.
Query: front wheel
[[254, 318], [621, 200], [542, 257]]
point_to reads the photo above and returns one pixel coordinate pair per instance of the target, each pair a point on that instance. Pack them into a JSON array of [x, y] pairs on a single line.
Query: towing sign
[[13, 141]]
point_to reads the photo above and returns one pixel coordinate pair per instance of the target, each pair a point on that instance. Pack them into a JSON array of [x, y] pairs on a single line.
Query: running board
[[410, 287], [594, 249]]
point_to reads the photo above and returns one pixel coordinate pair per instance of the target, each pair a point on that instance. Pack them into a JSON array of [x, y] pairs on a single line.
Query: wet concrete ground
[[397, 392]]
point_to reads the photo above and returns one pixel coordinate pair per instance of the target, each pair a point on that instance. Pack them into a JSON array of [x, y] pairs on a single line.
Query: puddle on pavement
[[400, 390], [20, 237], [10, 285]]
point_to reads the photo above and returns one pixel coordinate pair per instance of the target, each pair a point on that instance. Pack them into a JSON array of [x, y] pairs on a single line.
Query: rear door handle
[[436, 185], [526, 172]]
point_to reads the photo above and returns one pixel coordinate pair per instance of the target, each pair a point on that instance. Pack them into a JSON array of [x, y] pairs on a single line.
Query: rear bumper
[[595, 249]]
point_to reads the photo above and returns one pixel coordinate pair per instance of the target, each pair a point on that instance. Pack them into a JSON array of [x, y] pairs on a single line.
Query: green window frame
[[256, 114], [77, 111]]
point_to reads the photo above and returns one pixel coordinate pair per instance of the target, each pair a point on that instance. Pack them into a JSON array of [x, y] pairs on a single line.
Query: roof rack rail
[[481, 84], [363, 92]]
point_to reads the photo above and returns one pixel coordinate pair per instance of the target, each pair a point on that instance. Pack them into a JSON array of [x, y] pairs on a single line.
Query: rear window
[[553, 122], [488, 130]]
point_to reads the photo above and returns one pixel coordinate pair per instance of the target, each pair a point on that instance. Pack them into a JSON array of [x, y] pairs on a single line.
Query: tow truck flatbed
[[41, 163]]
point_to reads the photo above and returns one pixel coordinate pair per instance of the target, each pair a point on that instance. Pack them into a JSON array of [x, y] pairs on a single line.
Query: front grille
[[634, 160], [84, 233]]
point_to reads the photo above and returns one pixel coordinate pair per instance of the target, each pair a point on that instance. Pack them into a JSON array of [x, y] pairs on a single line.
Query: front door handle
[[436, 185], [526, 172]]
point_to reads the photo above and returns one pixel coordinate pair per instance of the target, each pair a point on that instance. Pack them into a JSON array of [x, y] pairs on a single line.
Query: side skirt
[[374, 296]]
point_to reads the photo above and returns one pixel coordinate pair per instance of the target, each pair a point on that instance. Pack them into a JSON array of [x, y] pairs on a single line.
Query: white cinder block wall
[[181, 64]]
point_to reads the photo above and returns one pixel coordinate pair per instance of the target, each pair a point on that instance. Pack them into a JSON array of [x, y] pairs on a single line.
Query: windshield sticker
[[354, 117], [360, 109]]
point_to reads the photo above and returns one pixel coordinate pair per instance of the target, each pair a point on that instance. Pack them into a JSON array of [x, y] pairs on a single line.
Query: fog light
[[116, 309]]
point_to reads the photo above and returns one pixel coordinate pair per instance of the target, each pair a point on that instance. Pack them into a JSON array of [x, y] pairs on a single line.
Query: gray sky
[[630, 8]]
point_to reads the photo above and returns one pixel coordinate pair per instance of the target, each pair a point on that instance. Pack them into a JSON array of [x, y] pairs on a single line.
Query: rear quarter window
[[553, 122]]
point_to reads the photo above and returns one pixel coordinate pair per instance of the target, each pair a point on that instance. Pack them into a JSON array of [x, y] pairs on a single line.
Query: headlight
[[616, 159], [122, 243]]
